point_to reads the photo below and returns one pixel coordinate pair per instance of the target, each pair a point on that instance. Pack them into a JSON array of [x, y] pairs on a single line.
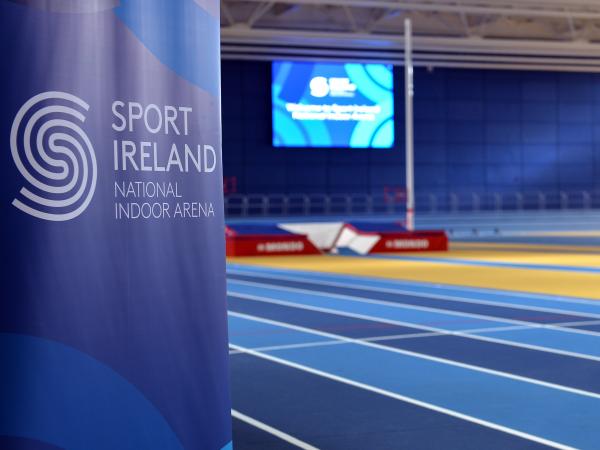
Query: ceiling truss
[[512, 34]]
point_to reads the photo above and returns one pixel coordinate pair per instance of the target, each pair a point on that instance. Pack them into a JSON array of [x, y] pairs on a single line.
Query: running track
[[324, 359], [349, 362]]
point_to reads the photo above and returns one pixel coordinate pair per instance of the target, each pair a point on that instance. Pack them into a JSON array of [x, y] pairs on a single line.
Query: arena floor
[[495, 344]]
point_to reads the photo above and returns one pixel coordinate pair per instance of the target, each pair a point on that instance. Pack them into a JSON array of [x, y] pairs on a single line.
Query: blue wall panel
[[475, 130]]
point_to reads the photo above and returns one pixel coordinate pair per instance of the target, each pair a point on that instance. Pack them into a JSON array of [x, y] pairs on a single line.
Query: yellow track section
[[564, 283], [516, 257]]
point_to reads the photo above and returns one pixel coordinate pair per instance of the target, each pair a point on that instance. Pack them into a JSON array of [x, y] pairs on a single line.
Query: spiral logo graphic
[[54, 155]]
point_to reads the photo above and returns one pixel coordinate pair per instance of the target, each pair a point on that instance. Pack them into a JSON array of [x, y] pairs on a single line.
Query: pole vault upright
[[408, 99]]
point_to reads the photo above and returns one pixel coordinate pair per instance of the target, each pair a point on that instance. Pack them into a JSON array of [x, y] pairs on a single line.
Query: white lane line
[[401, 336], [578, 323], [451, 298], [266, 273], [525, 327], [465, 333], [436, 359], [406, 399], [414, 307], [270, 348], [323, 343], [393, 337], [274, 431]]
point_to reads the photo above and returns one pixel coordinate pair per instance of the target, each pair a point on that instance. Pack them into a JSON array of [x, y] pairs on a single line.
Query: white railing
[[252, 205]]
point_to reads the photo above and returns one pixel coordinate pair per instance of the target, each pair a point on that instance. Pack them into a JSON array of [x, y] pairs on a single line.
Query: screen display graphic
[[332, 105]]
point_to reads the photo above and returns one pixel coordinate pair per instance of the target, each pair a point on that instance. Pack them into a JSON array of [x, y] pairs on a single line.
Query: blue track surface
[[329, 414], [344, 362]]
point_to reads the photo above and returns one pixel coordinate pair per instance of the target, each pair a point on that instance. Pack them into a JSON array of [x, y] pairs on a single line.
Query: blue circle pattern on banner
[[58, 395]]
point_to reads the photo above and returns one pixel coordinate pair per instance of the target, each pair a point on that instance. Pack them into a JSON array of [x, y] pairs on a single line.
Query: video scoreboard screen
[[332, 105]]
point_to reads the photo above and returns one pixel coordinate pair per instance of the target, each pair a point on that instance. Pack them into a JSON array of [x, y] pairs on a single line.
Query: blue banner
[[112, 314]]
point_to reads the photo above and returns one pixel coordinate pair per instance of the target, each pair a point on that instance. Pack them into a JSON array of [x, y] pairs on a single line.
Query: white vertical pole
[[408, 95]]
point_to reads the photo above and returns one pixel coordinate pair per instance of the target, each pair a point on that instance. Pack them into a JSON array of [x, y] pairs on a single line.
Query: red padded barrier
[[417, 241], [267, 245]]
